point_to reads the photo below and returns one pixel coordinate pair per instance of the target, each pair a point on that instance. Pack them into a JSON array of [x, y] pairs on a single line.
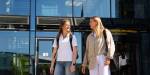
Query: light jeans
[[100, 68], [63, 68]]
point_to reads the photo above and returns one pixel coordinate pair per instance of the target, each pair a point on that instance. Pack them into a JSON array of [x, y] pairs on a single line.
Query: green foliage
[[20, 65]]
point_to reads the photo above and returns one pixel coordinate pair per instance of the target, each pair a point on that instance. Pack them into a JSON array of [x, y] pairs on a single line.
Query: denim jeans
[[63, 68]]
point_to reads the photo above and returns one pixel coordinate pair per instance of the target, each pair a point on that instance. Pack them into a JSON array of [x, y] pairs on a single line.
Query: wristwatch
[[74, 64]]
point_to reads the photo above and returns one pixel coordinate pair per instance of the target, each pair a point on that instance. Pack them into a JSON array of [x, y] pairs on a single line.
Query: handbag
[[113, 62]]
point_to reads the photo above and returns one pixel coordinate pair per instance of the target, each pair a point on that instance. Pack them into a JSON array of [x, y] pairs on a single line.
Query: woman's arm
[[54, 51], [111, 45], [85, 59], [74, 53]]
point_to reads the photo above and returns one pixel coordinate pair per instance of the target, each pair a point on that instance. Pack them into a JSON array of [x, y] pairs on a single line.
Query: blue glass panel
[[45, 51], [99, 8], [14, 7], [13, 41], [53, 8]]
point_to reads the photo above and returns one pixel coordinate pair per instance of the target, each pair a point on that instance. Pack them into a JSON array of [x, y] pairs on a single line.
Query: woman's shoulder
[[89, 36], [108, 31]]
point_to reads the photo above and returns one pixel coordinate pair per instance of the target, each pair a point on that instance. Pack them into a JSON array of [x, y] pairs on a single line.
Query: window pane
[[14, 7], [99, 8], [13, 41], [53, 8]]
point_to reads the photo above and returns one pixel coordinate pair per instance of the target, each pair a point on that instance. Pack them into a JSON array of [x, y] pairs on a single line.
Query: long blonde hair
[[99, 27]]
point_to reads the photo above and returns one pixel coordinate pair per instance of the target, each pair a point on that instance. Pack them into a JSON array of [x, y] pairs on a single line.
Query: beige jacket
[[96, 46]]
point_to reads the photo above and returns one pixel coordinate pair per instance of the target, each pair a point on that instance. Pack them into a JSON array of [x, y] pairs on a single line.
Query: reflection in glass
[[53, 8], [99, 8], [15, 42], [14, 64], [14, 7]]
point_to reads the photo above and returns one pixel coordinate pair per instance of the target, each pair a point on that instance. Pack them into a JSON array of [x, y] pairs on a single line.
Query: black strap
[[105, 37], [57, 40], [70, 39]]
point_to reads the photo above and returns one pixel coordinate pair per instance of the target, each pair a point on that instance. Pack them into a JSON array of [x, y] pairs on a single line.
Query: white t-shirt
[[64, 52]]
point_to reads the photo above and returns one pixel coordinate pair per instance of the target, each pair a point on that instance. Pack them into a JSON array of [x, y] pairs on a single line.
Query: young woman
[[95, 56], [63, 53]]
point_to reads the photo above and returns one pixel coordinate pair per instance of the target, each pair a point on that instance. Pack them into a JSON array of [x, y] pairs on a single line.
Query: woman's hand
[[83, 68], [107, 61], [72, 68], [51, 70]]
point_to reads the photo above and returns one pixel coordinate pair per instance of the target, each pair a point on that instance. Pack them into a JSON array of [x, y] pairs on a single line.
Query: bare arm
[[74, 47], [74, 55], [53, 56]]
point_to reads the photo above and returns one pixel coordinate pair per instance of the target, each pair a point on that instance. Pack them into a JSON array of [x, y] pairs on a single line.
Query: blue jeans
[[63, 68]]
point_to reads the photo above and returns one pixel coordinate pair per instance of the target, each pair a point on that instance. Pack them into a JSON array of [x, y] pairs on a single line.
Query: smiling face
[[66, 27]]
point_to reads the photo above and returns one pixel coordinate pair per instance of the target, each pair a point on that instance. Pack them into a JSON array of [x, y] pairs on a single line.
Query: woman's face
[[92, 24], [66, 27]]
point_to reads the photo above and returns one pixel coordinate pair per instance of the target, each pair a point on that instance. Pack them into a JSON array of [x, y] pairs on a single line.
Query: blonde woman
[[64, 52], [96, 57]]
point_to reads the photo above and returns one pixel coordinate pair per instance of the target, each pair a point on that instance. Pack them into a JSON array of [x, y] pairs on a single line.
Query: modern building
[[28, 28]]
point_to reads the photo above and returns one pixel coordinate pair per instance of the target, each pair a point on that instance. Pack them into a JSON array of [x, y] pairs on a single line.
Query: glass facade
[[14, 41], [28, 28], [78, 8], [81, 8]]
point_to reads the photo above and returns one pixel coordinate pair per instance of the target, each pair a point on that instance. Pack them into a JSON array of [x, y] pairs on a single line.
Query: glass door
[[43, 55]]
